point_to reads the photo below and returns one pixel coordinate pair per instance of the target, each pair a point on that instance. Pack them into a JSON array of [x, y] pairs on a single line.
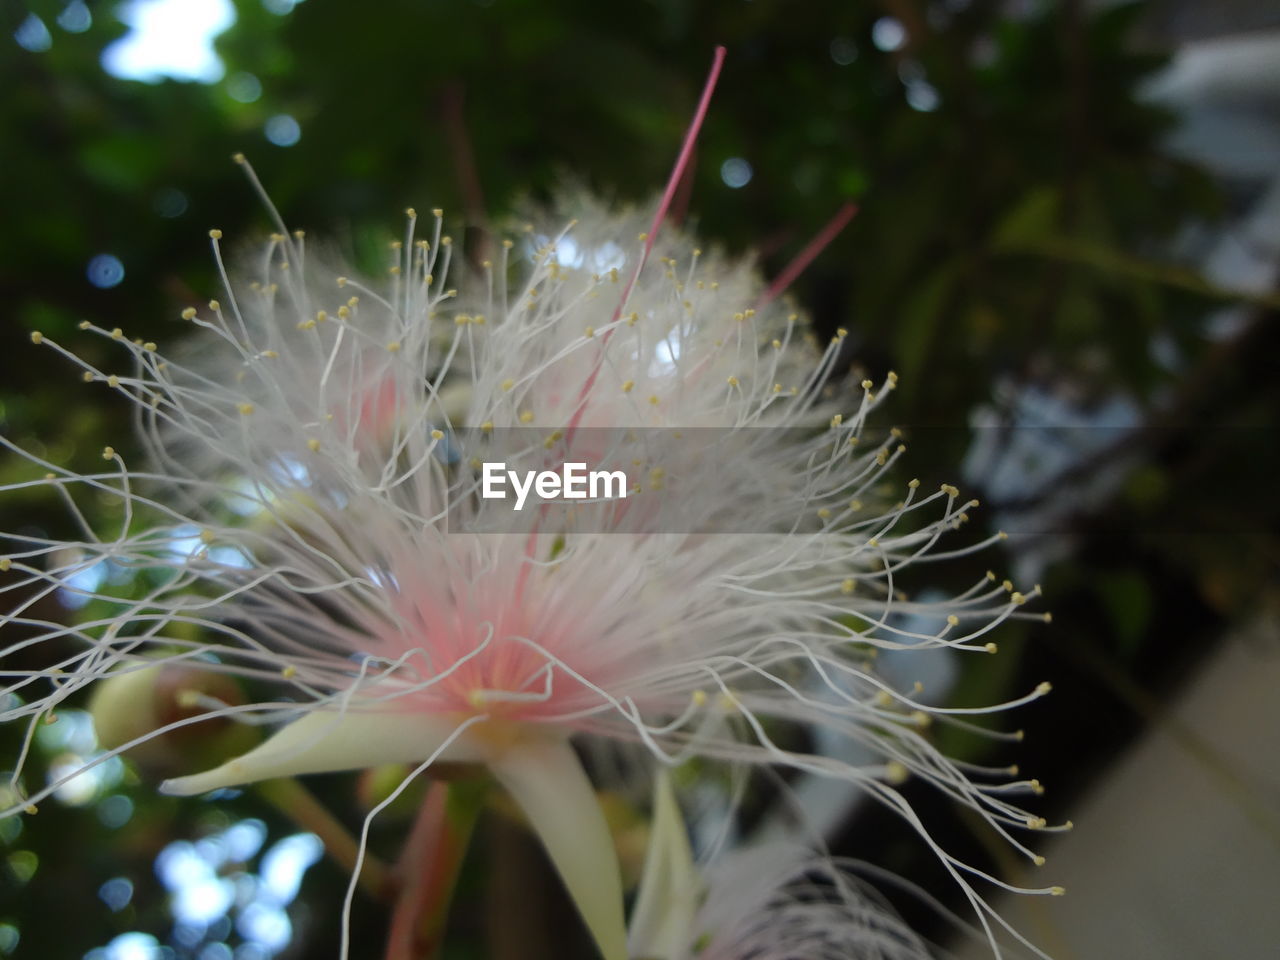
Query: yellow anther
[[1048, 617], [628, 386], [1002, 535], [896, 773], [113, 381], [1043, 688], [1017, 597], [446, 241], [393, 346], [873, 542], [245, 409], [1008, 585], [87, 376], [699, 698], [36, 336], [289, 672], [461, 320], [108, 453], [508, 384], [777, 344], [920, 719], [589, 332], [239, 158], [84, 324], [526, 416], [841, 333], [215, 234], [990, 647], [5, 564], [1057, 891], [824, 513], [653, 399], [953, 620], [855, 505], [732, 381], [189, 313], [437, 434], [478, 319], [321, 316], [777, 388], [270, 354], [313, 445], [342, 281], [867, 384], [149, 346], [847, 585], [486, 427], [837, 420], [1038, 860], [632, 317], [117, 333]]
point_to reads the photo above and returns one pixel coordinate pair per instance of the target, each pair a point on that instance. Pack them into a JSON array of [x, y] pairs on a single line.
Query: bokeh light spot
[[888, 34], [736, 172], [282, 130], [105, 271], [169, 38]]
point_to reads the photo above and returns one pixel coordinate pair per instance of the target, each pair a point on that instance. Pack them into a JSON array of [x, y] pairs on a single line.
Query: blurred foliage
[[1012, 234]]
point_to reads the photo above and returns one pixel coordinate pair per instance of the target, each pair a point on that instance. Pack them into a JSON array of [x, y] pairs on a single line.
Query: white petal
[[324, 741], [547, 781], [662, 920]]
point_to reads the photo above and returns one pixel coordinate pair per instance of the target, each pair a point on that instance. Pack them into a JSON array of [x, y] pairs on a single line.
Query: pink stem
[[428, 871], [673, 183], [808, 254]]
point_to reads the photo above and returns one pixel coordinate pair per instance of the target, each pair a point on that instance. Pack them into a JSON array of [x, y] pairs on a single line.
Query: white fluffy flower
[[315, 453], [775, 901]]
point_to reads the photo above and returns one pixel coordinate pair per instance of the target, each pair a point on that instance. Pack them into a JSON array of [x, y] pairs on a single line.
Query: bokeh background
[[1067, 246]]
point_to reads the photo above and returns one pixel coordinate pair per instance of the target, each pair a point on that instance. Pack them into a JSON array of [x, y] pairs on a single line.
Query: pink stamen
[[808, 254], [673, 183]]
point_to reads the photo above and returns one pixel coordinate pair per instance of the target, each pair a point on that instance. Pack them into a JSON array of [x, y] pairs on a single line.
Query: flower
[[310, 500], [774, 901]]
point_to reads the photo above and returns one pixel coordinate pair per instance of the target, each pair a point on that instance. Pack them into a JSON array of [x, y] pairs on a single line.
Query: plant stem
[[428, 870]]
